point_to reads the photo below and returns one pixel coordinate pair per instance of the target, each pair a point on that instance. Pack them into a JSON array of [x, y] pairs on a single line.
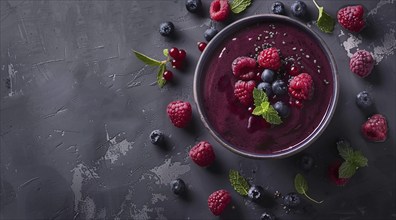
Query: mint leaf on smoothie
[[264, 108], [301, 186], [238, 182], [325, 22], [238, 6], [354, 160]]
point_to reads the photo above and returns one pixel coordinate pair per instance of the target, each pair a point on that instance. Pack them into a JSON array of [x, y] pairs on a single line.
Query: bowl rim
[[307, 141]]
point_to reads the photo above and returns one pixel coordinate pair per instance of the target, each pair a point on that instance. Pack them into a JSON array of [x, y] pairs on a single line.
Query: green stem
[[313, 200], [316, 4]]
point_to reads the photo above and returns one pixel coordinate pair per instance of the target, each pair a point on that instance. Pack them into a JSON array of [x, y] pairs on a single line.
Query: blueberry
[[178, 186], [292, 200], [267, 216], [279, 87], [306, 162], [299, 9], [278, 8], [255, 193], [193, 5], [268, 76], [166, 29], [156, 137], [282, 109], [210, 33], [266, 87], [364, 100]]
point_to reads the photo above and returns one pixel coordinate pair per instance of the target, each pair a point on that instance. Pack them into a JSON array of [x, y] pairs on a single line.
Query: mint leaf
[[259, 97], [147, 60], [272, 116], [359, 159], [238, 182], [325, 22], [165, 52], [346, 170], [300, 184], [344, 149], [160, 75], [264, 108], [238, 6]]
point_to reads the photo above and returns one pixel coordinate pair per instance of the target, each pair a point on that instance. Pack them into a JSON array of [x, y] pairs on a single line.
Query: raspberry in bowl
[[266, 86]]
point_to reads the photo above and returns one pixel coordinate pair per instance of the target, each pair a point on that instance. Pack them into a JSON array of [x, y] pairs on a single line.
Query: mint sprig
[[238, 182], [325, 22], [354, 160], [238, 6], [264, 108], [153, 62], [301, 186]]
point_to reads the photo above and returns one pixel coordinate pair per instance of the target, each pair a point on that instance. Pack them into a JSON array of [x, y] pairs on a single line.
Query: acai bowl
[[232, 118]]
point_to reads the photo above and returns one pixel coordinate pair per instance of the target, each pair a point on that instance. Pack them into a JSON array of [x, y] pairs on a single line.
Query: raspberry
[[202, 154], [244, 91], [269, 59], [180, 113], [334, 174], [361, 63], [218, 201], [301, 87], [375, 128], [219, 10], [243, 68], [351, 18]]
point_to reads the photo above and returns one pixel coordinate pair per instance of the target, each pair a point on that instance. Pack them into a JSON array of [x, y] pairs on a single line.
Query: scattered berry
[[269, 58], [193, 5], [278, 8], [156, 137], [168, 75], [299, 9], [166, 29], [178, 186], [268, 75], [180, 113], [292, 200], [361, 63], [334, 174], [174, 53], [306, 162], [266, 87], [244, 67], [218, 201], [351, 18], [375, 128], [282, 109], [202, 154], [177, 64], [364, 100], [182, 54], [219, 10], [279, 87], [201, 46], [267, 216], [255, 193], [244, 91], [210, 33], [301, 87]]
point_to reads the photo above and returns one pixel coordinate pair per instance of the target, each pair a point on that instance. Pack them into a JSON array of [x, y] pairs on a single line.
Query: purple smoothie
[[230, 119]]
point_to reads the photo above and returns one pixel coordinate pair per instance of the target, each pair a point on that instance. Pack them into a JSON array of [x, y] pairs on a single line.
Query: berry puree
[[232, 121]]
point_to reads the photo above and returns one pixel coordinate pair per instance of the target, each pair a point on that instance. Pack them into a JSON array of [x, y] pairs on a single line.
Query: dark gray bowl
[[214, 44]]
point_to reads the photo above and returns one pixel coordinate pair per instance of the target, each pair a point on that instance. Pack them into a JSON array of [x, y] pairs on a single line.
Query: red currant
[[182, 54], [168, 75], [250, 109], [177, 64], [201, 46], [174, 53]]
